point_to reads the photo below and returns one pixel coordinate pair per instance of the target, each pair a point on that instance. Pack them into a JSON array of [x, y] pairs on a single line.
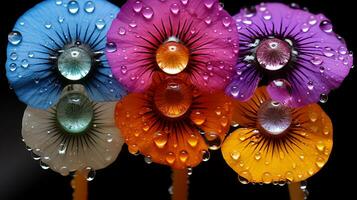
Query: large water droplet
[[14, 37], [89, 7], [73, 7], [100, 24], [326, 26], [148, 12], [213, 140]]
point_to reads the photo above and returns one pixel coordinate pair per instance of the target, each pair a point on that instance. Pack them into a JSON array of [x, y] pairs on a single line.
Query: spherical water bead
[[73, 7], [74, 113], [244, 177], [173, 98], [274, 117], [13, 56], [148, 159], [323, 98], [213, 140], [90, 173], [59, 2], [205, 155], [273, 54], [111, 47], [121, 31], [147, 13], [62, 149], [100, 24], [14, 37], [172, 56], [12, 67], [44, 165], [316, 60], [24, 63], [74, 63], [89, 7], [137, 7], [326, 26]]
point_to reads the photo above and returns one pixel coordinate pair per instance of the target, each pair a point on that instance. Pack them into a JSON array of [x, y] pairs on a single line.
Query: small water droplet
[[235, 155], [48, 25], [205, 155], [323, 98], [258, 156], [208, 3], [121, 31], [244, 177], [184, 2], [305, 27], [12, 67], [111, 47], [189, 171], [266, 178], [89, 7], [62, 149], [310, 85], [35, 156], [44, 165], [326, 26], [148, 12], [208, 20], [59, 2], [73, 7], [148, 159], [174, 8], [137, 6], [30, 54], [100, 24], [132, 24], [160, 140], [213, 140], [266, 15], [342, 50], [170, 158], [24, 63], [14, 37], [320, 162], [13, 56], [312, 20], [183, 156], [316, 60], [226, 21], [90, 173]]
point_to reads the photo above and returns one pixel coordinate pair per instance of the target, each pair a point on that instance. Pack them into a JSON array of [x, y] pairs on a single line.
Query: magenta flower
[[293, 51], [196, 37]]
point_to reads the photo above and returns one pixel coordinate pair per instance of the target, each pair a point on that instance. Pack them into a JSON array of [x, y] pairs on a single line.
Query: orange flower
[[166, 122], [277, 143]]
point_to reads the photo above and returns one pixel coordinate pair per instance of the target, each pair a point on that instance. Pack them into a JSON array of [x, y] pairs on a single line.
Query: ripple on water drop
[[73, 7], [14, 37], [100, 24], [89, 7]]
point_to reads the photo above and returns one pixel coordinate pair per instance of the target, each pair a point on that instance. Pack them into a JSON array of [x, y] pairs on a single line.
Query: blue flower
[[62, 42]]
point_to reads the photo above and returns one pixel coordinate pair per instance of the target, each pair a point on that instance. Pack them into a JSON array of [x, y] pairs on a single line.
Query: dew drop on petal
[[328, 52], [235, 155], [48, 25], [24, 63], [137, 7], [111, 47], [208, 3], [148, 13], [184, 2], [213, 140], [326, 26], [14, 37], [310, 85], [148, 159], [100, 24], [44, 165], [244, 177], [13, 56], [62, 149], [183, 156], [30, 54], [316, 60], [12, 67], [89, 7], [174, 8], [267, 15], [170, 158], [60, 19], [59, 2], [73, 7], [305, 27], [121, 31], [226, 21]]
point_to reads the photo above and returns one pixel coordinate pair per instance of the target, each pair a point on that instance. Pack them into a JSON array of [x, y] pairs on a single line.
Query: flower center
[[74, 63], [74, 113], [172, 56], [173, 98], [273, 54], [274, 117]]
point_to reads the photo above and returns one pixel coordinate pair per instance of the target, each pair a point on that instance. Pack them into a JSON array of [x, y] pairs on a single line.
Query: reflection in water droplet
[[14, 37], [326, 26], [73, 7]]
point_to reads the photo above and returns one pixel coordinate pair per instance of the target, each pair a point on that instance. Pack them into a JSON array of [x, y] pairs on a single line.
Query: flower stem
[[80, 186], [295, 192], [179, 184]]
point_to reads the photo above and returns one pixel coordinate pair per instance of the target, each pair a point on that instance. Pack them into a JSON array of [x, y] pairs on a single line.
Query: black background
[[130, 178]]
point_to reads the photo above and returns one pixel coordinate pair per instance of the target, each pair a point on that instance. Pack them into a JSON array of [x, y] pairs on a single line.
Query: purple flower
[[293, 51], [193, 37]]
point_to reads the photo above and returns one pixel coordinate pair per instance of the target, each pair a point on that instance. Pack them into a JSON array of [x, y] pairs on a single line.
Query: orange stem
[[295, 192], [180, 186], [80, 186]]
